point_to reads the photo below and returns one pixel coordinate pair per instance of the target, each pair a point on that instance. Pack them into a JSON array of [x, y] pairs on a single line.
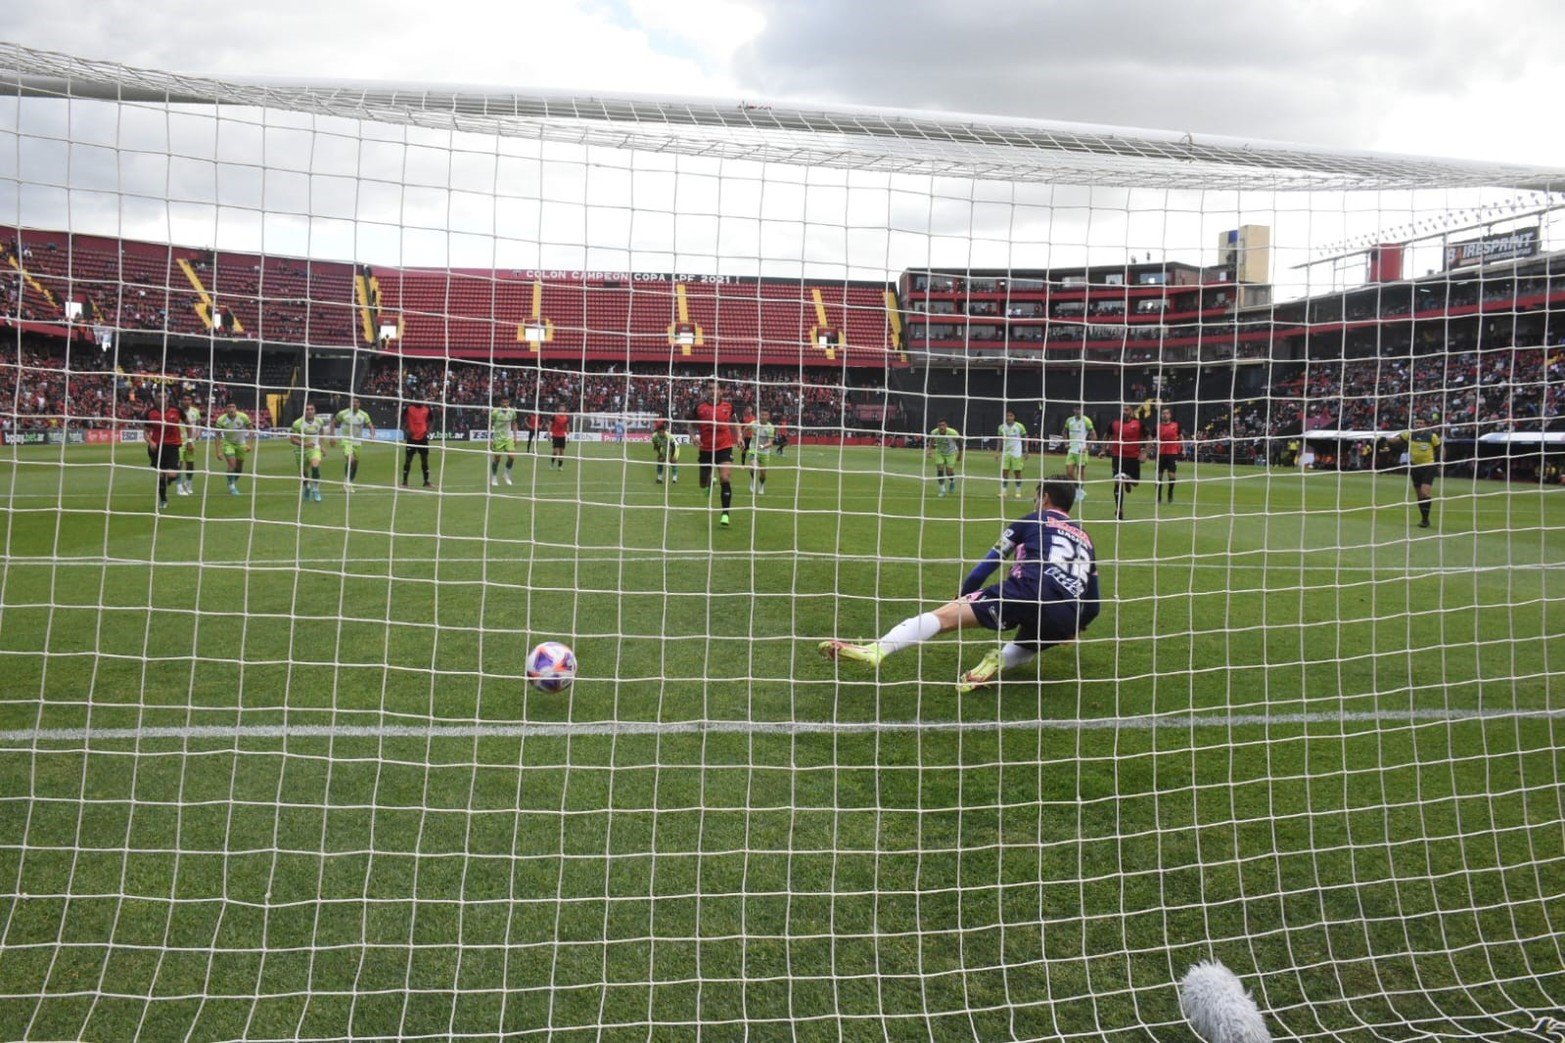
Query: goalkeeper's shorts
[[1043, 620]]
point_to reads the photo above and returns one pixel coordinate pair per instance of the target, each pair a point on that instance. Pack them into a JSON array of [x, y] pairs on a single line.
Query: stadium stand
[[136, 286], [284, 299], [44, 386], [594, 317], [139, 286], [1482, 350]]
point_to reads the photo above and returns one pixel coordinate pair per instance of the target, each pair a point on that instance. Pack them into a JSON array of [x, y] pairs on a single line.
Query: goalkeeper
[[1048, 596]]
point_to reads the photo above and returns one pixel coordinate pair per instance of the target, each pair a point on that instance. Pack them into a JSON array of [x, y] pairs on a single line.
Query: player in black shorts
[[164, 427], [1170, 442], [746, 436], [715, 430], [705, 461], [1127, 438], [1423, 452], [1048, 594]]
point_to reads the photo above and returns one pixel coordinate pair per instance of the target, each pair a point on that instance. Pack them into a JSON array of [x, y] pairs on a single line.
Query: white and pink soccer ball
[[551, 667]]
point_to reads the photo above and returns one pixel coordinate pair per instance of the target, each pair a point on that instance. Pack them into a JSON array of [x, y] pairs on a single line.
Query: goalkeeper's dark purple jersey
[[1050, 590], [1052, 559]]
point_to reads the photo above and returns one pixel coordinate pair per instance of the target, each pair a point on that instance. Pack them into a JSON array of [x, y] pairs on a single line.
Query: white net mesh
[[273, 769]]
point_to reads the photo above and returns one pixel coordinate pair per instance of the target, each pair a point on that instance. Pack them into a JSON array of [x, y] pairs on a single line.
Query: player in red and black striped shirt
[[164, 437], [1170, 443], [1126, 444], [716, 434], [559, 432], [416, 417]]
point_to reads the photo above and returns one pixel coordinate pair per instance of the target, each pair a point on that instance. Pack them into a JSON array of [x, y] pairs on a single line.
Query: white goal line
[[637, 555], [498, 730]]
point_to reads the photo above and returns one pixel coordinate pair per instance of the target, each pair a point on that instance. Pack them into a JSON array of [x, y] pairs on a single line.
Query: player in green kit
[[1078, 432], [945, 445], [187, 445], [308, 434], [1013, 451], [667, 451], [763, 443], [502, 440], [235, 429], [355, 422]]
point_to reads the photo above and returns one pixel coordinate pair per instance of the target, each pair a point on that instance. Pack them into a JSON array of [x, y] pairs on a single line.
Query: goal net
[[324, 403]]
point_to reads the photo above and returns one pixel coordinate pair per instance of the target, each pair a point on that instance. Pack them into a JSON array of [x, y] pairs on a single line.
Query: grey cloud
[[1292, 71]]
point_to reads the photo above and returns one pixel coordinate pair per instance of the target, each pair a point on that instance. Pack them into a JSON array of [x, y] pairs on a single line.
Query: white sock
[[1014, 655], [910, 632]]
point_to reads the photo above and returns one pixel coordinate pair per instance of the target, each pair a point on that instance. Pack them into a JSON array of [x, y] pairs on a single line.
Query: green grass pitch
[[1365, 820]]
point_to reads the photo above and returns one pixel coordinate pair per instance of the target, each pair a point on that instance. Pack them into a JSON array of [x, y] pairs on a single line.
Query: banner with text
[[1503, 246]]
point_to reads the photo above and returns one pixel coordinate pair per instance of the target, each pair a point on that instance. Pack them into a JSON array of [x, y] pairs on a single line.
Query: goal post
[[272, 765]]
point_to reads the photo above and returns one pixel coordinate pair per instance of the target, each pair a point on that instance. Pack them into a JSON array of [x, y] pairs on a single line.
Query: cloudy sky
[[1433, 76], [1419, 76]]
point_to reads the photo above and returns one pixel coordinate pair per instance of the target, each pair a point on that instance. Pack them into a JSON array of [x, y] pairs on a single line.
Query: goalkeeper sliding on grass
[[1049, 593]]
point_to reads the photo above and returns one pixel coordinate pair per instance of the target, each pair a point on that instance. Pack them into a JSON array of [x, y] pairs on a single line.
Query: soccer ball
[[551, 667]]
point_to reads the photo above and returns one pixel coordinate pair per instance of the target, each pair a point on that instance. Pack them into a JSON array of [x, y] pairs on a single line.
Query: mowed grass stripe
[[1304, 737], [493, 730]]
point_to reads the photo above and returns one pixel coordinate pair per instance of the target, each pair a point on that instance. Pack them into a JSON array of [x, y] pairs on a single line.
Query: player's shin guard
[[1424, 506], [909, 632], [728, 496]]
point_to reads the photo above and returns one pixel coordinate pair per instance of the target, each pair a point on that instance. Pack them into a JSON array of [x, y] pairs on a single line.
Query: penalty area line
[[520, 730]]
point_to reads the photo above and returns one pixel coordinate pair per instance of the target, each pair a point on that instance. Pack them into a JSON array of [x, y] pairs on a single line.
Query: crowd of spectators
[[808, 399], [1465, 393], [43, 386]]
